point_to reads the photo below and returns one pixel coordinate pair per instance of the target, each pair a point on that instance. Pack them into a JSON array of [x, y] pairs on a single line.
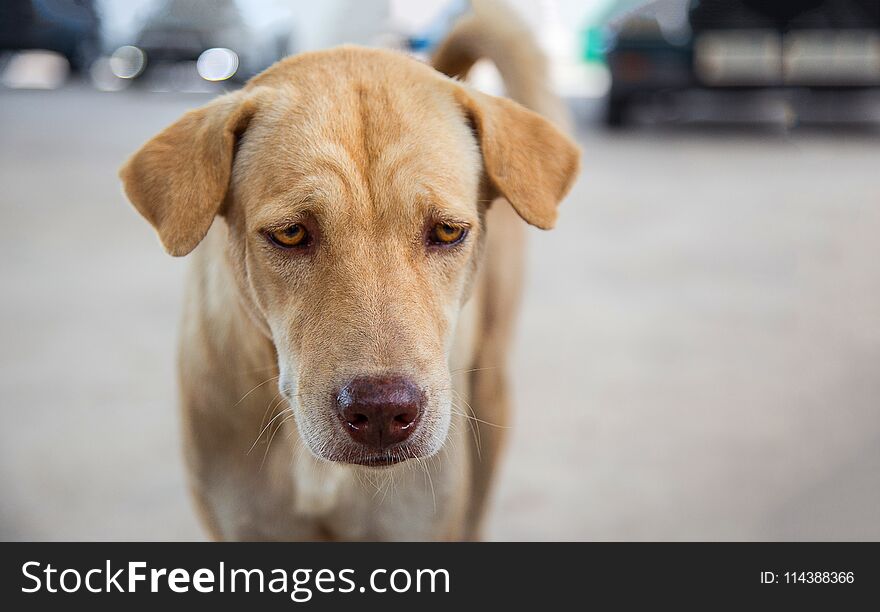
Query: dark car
[[677, 45], [69, 27]]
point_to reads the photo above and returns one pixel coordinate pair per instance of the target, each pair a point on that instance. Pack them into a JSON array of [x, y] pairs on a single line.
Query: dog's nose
[[380, 411]]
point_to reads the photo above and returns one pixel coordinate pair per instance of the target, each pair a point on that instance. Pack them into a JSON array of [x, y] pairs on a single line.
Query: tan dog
[[356, 263]]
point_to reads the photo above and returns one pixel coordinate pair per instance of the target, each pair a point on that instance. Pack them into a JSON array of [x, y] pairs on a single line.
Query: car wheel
[[616, 112]]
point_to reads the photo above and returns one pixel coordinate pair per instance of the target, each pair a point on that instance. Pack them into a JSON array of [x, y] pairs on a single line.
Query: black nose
[[380, 411]]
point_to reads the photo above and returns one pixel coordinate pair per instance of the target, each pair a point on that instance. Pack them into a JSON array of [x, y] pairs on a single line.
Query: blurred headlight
[[36, 69], [828, 57], [127, 62], [217, 64], [739, 57]]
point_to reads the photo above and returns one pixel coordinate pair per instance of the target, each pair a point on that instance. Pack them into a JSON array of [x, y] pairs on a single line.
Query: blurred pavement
[[702, 331]]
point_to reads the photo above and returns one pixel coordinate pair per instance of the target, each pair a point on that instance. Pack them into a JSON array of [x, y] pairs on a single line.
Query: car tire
[[616, 112]]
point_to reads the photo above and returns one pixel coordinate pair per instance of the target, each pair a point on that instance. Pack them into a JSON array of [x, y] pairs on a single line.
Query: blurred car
[[68, 27], [211, 35], [676, 45]]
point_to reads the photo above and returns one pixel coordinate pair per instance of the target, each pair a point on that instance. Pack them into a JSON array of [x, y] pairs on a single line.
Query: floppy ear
[[528, 161], [178, 180]]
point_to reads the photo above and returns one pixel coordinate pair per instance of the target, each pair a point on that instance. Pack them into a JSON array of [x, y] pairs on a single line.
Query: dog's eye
[[293, 236], [446, 235]]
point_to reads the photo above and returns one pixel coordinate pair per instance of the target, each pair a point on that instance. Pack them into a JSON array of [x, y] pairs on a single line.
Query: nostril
[[405, 418], [357, 420]]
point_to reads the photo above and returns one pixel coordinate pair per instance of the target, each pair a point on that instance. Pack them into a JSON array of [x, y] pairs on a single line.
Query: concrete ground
[[698, 356]]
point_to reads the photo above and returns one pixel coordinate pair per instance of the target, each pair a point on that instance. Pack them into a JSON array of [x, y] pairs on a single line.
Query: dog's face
[[353, 184], [356, 220]]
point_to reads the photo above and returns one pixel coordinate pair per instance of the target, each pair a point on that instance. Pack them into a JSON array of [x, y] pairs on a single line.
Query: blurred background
[[704, 323]]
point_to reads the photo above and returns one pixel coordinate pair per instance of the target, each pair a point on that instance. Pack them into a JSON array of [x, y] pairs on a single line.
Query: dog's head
[[353, 183]]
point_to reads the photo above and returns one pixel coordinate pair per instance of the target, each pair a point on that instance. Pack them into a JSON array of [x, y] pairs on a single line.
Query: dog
[[356, 222]]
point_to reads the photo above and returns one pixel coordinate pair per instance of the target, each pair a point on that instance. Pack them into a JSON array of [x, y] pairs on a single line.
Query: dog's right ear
[[179, 179]]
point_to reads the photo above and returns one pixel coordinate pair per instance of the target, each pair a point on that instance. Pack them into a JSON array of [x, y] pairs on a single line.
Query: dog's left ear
[[178, 180], [527, 160]]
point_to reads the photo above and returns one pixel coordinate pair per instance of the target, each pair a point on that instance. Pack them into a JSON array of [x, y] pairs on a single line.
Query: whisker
[[479, 420], [430, 480], [262, 431], [478, 438], [272, 437], [462, 371], [270, 407], [276, 377]]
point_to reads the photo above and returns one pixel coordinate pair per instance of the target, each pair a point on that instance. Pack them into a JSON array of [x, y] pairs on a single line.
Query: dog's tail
[[492, 30]]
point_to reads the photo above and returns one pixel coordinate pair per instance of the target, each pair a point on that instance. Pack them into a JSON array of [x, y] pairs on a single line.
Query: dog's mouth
[[377, 458], [378, 461]]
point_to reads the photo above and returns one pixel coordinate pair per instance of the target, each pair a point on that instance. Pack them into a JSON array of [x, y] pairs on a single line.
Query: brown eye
[[289, 237], [446, 234]]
